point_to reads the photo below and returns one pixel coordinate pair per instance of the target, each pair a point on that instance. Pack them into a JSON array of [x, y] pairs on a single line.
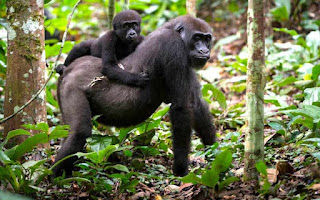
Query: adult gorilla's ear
[[179, 28]]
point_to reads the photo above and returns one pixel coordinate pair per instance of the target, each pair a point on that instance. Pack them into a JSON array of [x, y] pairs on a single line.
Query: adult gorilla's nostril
[[204, 51]]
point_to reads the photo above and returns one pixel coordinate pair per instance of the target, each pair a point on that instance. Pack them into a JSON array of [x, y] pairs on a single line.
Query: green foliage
[[9, 196], [215, 175], [282, 10], [156, 12], [26, 177]]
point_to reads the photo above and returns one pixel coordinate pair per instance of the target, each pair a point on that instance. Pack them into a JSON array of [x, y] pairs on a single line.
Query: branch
[[52, 70]]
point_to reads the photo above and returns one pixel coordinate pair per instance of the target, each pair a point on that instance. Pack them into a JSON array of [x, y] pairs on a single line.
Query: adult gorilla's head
[[197, 36]]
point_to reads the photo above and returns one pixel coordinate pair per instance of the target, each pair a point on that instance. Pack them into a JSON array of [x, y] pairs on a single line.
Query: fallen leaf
[[315, 186], [158, 197], [272, 175], [185, 185]]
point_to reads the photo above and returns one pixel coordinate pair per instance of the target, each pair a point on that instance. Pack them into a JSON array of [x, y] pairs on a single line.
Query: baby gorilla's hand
[[142, 79]]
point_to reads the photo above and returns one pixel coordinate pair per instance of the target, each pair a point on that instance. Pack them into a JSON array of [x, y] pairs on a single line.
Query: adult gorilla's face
[[199, 44]]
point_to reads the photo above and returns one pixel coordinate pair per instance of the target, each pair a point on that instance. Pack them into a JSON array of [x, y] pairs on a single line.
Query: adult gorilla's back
[[167, 56]]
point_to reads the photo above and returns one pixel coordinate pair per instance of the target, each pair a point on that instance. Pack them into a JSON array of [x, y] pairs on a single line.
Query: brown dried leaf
[[315, 186], [185, 185], [272, 175]]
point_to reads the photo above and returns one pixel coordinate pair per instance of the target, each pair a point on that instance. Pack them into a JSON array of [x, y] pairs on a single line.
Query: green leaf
[[286, 81], [100, 142], [43, 127], [262, 168], [191, 178], [316, 155], [50, 98], [222, 161], [9, 196], [77, 179], [282, 10], [285, 30], [161, 113], [16, 152], [216, 94], [4, 158], [210, 178], [145, 138], [315, 72], [13, 133], [119, 168], [311, 95]]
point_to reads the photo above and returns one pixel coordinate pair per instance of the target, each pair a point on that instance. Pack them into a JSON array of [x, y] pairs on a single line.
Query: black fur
[[113, 46], [168, 55]]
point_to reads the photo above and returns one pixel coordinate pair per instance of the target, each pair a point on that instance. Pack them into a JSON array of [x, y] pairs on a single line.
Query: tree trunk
[[126, 5], [191, 7], [254, 147], [25, 64], [110, 13]]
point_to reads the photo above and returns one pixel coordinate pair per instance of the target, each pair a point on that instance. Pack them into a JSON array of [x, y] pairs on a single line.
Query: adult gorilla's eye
[[197, 38], [125, 26]]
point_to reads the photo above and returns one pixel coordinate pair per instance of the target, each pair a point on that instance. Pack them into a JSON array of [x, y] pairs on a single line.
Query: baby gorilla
[[113, 46]]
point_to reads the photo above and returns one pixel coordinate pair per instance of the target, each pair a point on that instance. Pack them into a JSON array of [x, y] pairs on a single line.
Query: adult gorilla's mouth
[[202, 57]]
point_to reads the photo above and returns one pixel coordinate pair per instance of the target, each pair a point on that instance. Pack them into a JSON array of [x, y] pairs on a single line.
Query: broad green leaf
[[316, 155], [286, 81], [145, 138], [77, 179], [161, 112], [10, 196], [33, 163], [307, 122], [315, 72], [222, 161], [43, 127], [50, 98], [216, 94], [123, 133], [13, 133], [191, 178], [314, 111], [285, 30], [276, 126], [282, 10], [28, 145], [275, 100], [99, 156], [119, 168], [100, 142], [210, 178], [311, 95], [56, 134], [262, 168], [4, 158]]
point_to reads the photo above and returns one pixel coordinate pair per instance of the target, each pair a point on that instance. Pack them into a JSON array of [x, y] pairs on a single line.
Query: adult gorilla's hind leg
[[203, 123], [76, 113]]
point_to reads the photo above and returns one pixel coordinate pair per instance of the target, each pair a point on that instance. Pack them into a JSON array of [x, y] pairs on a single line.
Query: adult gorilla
[[168, 56]]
